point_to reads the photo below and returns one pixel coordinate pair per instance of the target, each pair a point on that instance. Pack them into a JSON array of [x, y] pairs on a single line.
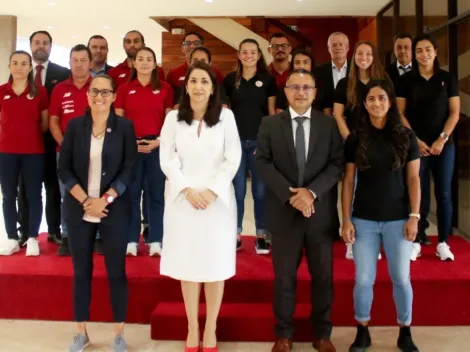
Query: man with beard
[[48, 75], [402, 51], [280, 50], [133, 41], [98, 46]]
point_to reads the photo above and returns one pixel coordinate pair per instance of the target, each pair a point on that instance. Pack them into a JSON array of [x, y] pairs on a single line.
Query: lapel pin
[[108, 130]]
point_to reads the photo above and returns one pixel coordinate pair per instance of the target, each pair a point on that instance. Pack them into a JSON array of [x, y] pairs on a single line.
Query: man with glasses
[[176, 76], [68, 101], [300, 160], [133, 41], [280, 50]]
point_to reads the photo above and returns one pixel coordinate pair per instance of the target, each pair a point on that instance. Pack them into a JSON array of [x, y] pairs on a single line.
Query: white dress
[[199, 245]]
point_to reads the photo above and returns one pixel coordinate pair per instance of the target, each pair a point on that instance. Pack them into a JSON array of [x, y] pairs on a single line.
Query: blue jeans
[[31, 167], [148, 176], [257, 187], [442, 169], [370, 235]]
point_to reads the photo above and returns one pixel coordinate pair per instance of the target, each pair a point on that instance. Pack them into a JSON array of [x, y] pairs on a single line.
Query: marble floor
[[39, 336]]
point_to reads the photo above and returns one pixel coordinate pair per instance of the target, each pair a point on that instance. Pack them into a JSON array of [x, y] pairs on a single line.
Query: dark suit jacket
[[325, 82], [277, 167], [54, 75], [107, 68], [118, 159], [393, 73]]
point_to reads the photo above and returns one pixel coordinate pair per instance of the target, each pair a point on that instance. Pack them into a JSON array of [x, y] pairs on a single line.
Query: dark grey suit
[[291, 231]]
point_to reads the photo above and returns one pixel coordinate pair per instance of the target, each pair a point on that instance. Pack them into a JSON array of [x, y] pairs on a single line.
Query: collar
[[101, 69], [70, 82], [44, 65], [135, 83], [273, 70], [293, 114], [345, 66], [399, 65], [124, 64], [9, 89]]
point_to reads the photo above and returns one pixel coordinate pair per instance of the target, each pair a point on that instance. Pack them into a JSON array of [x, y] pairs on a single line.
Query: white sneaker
[[443, 252], [132, 249], [9, 247], [415, 252], [32, 247], [349, 251], [155, 249]]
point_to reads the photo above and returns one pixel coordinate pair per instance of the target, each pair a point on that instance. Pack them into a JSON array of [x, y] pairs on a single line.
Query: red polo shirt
[[20, 115], [177, 75], [121, 73], [281, 79], [145, 107]]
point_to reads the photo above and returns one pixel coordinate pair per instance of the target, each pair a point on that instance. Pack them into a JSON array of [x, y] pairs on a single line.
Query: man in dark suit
[[98, 46], [328, 75], [402, 50], [300, 160], [46, 74]]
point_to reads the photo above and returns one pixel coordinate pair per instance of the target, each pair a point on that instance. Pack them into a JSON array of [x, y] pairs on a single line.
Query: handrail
[[289, 31]]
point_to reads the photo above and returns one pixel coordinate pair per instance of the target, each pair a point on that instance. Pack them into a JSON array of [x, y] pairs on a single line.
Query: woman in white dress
[[200, 154]]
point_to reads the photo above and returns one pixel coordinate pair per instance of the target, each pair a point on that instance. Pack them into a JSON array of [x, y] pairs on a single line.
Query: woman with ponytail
[[251, 91], [23, 121]]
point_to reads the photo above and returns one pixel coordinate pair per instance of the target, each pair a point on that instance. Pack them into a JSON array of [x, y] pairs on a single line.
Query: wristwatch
[[414, 215], [444, 136], [108, 198]]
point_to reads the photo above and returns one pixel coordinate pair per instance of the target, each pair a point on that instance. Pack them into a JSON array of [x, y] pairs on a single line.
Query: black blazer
[[107, 67], [325, 82], [54, 75], [118, 158], [277, 168]]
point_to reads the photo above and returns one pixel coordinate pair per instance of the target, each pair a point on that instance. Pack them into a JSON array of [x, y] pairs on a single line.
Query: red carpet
[[41, 288]]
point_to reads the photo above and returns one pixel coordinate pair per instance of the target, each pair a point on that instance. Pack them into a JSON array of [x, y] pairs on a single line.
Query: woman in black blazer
[[96, 166]]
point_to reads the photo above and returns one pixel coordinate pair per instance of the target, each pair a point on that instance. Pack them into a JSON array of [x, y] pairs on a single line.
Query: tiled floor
[[38, 336]]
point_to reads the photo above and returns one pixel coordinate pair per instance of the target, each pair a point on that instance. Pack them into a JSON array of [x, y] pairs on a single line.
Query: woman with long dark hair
[[252, 91], [96, 166], [23, 121], [349, 92], [385, 155], [146, 100], [428, 99], [200, 154]]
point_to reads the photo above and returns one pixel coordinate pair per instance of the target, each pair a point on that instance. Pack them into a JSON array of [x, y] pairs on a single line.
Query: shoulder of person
[[322, 118], [122, 121], [230, 76], [446, 76], [3, 87], [165, 85], [57, 67], [172, 116]]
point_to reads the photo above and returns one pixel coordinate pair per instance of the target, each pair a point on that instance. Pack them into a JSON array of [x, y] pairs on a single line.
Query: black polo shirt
[[427, 102], [249, 102], [381, 192], [341, 97]]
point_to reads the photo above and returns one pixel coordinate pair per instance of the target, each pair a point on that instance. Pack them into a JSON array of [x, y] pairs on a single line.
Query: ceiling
[[72, 22]]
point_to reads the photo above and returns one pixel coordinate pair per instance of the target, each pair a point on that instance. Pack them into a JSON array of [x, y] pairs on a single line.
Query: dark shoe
[[55, 238], [22, 240], [98, 247], [239, 244], [146, 234], [362, 341], [282, 345], [425, 240], [64, 249], [405, 342], [324, 345], [261, 246]]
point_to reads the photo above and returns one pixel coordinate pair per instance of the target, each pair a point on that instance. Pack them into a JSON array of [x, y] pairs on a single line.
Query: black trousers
[[287, 255], [114, 241], [51, 185]]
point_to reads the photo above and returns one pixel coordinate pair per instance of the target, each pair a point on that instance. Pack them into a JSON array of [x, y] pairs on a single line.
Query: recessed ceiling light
[[123, 35], [106, 27], [49, 27], [50, 3], [209, 0], [74, 36]]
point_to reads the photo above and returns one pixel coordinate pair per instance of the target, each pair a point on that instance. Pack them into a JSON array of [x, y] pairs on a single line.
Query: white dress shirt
[[400, 69], [339, 73], [43, 73], [307, 114]]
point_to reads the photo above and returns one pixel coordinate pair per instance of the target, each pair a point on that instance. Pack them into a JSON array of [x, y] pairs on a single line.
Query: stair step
[[237, 322]]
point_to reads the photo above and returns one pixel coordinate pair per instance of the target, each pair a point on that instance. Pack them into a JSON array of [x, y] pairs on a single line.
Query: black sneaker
[[145, 234], [22, 240], [55, 238], [261, 246], [239, 244], [405, 342], [362, 341], [64, 249], [98, 247]]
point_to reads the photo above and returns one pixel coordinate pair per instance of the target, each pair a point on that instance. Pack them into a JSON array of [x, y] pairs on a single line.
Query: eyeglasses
[[296, 88], [93, 92], [194, 43], [284, 46]]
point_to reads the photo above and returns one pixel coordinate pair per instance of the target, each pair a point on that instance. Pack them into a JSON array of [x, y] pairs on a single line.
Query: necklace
[[99, 135]]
